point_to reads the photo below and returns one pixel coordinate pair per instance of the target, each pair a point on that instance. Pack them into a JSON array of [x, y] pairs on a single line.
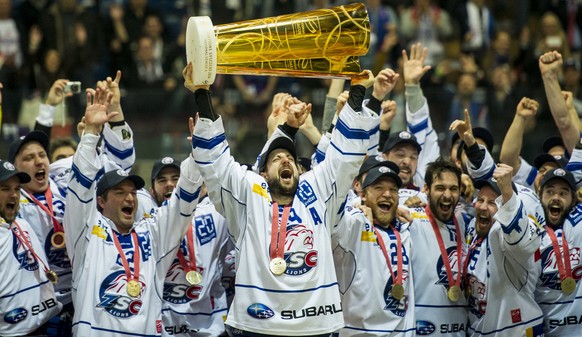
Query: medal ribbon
[[28, 245], [443, 250], [188, 265], [469, 252], [564, 267], [136, 257], [48, 209], [278, 233], [398, 278]]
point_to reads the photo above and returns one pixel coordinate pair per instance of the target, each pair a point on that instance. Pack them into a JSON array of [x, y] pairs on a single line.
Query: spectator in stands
[[10, 58], [477, 27]]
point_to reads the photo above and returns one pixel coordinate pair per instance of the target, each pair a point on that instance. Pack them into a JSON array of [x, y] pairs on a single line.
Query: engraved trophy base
[[201, 49]]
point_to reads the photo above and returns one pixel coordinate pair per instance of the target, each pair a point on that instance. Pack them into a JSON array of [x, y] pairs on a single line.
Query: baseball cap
[[161, 164], [491, 182], [543, 158], [552, 141], [402, 137], [571, 63], [278, 143], [112, 178], [371, 162], [390, 170], [305, 162], [478, 133], [7, 171], [16, 145], [559, 173]]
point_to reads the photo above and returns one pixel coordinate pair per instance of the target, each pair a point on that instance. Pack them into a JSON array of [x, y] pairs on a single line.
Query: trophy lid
[[201, 49]]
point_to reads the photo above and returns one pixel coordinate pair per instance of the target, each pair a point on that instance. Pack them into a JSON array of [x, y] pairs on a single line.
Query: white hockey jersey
[[116, 151], [305, 300], [198, 308], [501, 275], [102, 305], [562, 312], [27, 297], [365, 280], [436, 315]]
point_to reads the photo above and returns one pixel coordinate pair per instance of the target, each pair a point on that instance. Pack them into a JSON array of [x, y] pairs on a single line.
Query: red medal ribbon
[[398, 278], [564, 266], [278, 233], [188, 265], [136, 257], [443, 250], [48, 209], [28, 245]]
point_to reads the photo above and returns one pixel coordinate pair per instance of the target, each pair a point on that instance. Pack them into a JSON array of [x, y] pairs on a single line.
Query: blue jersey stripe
[[334, 284], [121, 154], [374, 330], [25, 289], [423, 124], [111, 330], [196, 313], [349, 133], [207, 143], [507, 327]]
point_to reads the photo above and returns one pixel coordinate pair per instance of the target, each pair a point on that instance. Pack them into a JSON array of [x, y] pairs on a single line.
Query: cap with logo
[[559, 173], [543, 158], [402, 137], [7, 171], [277, 143], [161, 164], [113, 178], [16, 145], [387, 169], [552, 141], [371, 162], [479, 184]]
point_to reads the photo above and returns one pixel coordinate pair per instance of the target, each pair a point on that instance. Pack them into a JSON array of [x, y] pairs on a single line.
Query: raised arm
[[86, 171], [513, 141], [46, 113], [550, 65]]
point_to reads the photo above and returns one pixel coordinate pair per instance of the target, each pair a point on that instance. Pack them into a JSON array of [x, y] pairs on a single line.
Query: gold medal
[[133, 288], [278, 266], [397, 291], [455, 293], [58, 240], [193, 277], [568, 285], [52, 276]]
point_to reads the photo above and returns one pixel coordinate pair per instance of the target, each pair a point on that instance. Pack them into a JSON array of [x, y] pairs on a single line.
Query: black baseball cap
[[305, 162], [389, 170], [479, 184], [112, 178], [552, 141], [161, 164], [402, 137], [542, 158], [16, 145], [7, 171], [480, 133], [277, 143], [371, 162], [559, 173]]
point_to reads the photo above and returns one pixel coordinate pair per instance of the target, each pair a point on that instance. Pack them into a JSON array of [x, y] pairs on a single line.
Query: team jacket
[[102, 305], [501, 275], [198, 308], [562, 313], [27, 297], [365, 280], [115, 151], [305, 300], [436, 315]]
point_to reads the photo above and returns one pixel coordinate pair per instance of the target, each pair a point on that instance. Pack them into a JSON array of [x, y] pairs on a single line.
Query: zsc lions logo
[[424, 328], [21, 253], [260, 311], [300, 256], [15, 315], [57, 257], [397, 307], [114, 298], [175, 288], [442, 271], [550, 276]]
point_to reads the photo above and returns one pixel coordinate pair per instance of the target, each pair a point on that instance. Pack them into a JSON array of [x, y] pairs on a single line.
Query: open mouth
[[484, 220], [168, 195], [40, 175], [11, 206], [385, 206], [555, 211], [286, 174], [445, 206], [127, 211], [405, 170]]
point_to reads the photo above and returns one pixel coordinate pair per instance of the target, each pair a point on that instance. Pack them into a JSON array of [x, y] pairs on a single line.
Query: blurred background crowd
[[483, 53]]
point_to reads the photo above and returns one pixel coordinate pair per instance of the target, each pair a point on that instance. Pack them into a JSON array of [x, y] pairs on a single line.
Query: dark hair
[[61, 142], [436, 168]]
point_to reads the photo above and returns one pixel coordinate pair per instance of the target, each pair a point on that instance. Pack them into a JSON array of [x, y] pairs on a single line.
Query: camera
[[74, 87]]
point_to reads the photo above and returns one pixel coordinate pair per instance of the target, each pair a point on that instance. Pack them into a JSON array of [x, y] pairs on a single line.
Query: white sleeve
[[225, 179], [420, 125], [174, 216], [520, 234], [319, 154], [81, 210], [60, 171], [485, 171], [349, 144], [118, 147], [575, 166], [525, 175]]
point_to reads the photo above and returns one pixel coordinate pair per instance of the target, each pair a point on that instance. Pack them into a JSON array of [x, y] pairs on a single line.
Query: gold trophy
[[322, 43]]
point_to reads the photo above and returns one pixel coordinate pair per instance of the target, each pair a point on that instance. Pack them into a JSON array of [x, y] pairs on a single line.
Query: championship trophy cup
[[323, 43]]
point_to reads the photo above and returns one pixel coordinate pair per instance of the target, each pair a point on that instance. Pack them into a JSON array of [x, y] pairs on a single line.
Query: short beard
[[276, 188]]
